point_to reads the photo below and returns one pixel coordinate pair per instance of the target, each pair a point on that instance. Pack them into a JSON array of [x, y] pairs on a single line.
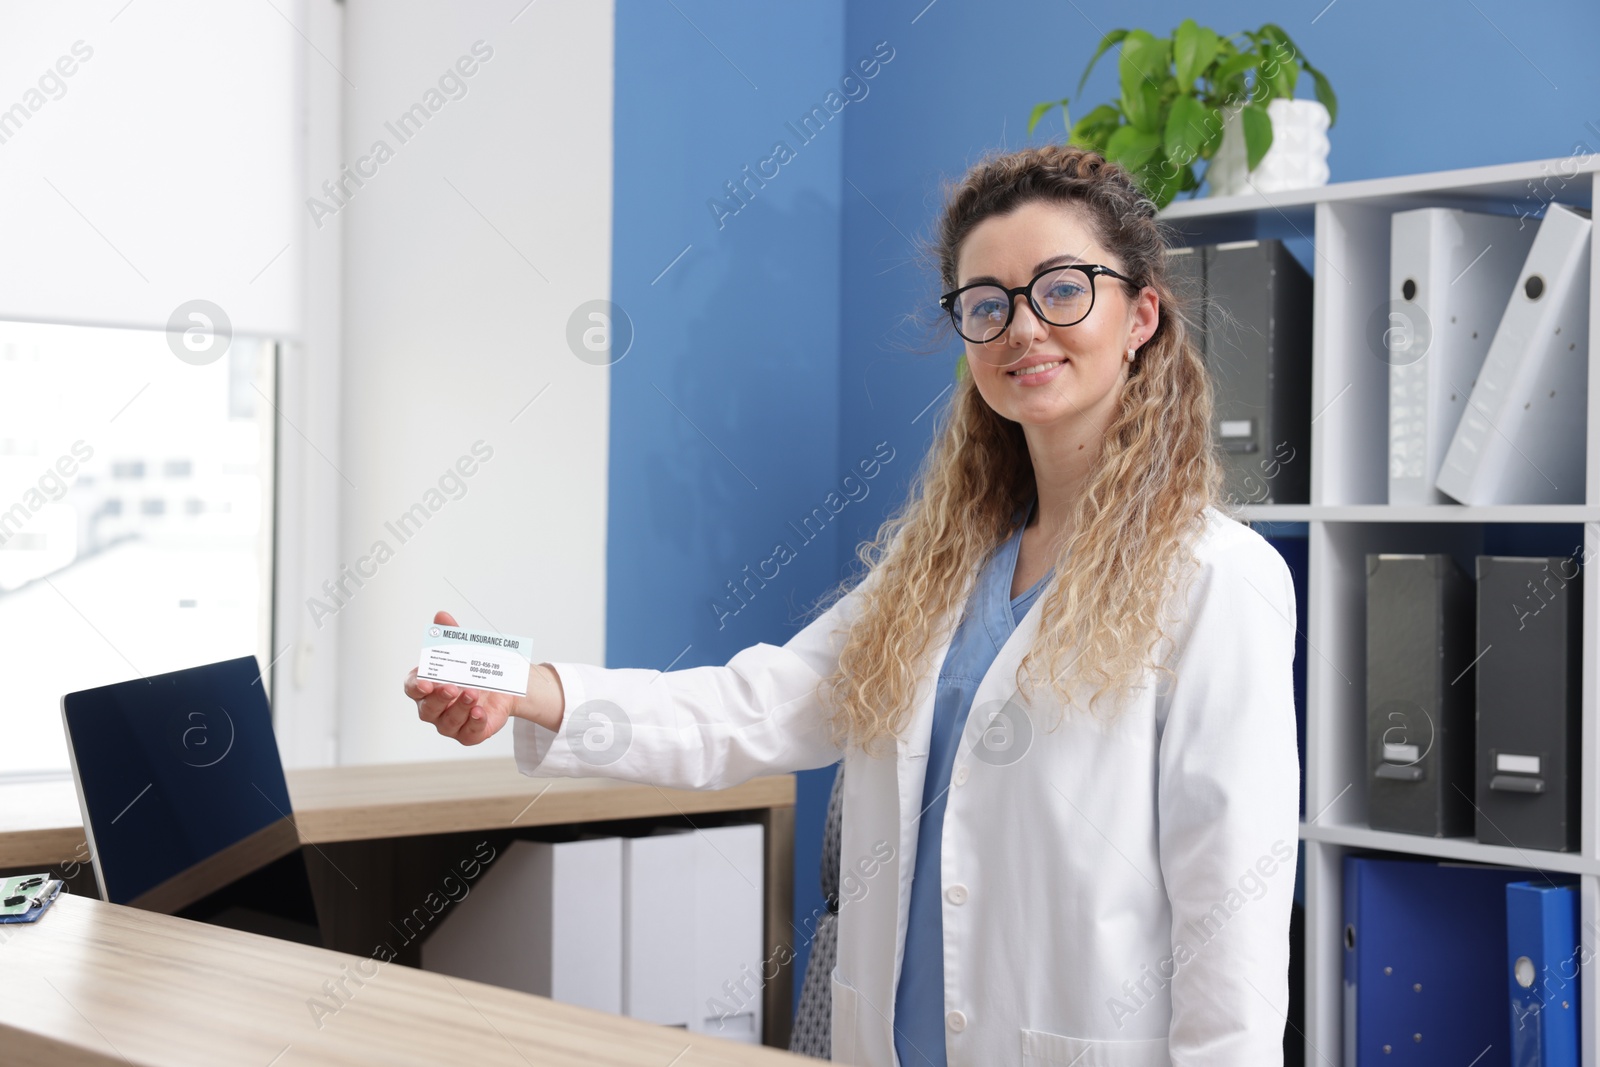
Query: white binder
[[1521, 439], [658, 928], [545, 918], [729, 967], [692, 930], [1450, 273]]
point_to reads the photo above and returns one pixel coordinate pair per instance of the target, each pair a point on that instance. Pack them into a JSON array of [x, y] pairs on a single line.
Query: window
[[108, 570]]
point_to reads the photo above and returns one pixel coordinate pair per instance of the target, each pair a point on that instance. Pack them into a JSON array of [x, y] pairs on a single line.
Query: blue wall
[[780, 334], [725, 413]]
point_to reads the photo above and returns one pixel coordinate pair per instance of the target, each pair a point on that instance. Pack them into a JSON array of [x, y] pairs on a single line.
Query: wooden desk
[[381, 833], [40, 823], [100, 984]]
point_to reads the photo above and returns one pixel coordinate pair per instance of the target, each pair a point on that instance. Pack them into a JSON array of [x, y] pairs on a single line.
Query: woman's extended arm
[[699, 728]]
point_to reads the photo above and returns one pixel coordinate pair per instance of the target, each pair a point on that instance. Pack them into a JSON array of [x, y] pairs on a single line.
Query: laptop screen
[[180, 785]]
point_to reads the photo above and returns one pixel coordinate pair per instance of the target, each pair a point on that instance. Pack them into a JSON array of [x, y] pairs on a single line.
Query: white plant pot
[[1297, 159]]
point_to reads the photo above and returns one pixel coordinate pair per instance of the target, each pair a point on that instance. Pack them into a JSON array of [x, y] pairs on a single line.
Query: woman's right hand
[[473, 715]]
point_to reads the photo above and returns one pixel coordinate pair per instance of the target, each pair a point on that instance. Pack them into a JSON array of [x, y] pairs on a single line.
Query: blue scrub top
[[990, 618]]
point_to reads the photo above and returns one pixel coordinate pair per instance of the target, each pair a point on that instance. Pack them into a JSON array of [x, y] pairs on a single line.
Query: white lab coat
[[1111, 897]]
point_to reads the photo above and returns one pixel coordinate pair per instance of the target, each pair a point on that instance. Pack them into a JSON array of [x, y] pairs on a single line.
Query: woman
[[1062, 691]]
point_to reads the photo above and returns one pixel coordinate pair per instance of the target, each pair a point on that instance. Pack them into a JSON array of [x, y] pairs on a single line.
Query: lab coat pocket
[[845, 1003], [1041, 1049]]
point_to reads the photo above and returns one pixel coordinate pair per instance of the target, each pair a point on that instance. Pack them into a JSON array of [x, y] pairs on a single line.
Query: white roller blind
[[150, 156]]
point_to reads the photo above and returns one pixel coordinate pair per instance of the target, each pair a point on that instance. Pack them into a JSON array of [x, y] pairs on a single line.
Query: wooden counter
[[380, 833], [100, 984], [40, 824]]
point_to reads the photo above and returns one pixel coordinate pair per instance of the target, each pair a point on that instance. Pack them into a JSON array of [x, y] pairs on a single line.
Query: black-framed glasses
[[1060, 296]]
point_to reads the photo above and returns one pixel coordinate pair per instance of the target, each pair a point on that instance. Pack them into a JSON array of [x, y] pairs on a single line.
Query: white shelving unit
[[1348, 226]]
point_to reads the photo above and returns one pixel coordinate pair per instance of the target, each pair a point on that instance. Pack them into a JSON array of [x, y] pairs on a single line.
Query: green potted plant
[[1198, 97]]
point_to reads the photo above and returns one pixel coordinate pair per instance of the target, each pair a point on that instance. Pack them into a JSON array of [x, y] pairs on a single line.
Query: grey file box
[[1186, 273], [1258, 349], [1419, 695], [1529, 675]]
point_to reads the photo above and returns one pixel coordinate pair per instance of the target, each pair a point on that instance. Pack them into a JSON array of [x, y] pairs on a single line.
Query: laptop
[[185, 808]]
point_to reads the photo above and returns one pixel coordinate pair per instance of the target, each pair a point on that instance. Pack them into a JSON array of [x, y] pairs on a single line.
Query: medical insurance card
[[475, 658]]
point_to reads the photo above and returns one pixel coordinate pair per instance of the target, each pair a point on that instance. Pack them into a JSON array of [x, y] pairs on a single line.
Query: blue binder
[[1543, 953], [1424, 959]]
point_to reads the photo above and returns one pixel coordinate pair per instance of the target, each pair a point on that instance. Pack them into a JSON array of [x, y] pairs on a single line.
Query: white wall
[[450, 330]]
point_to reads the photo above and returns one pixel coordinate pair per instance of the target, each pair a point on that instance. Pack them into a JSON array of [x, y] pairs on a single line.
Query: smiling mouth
[[1037, 368]]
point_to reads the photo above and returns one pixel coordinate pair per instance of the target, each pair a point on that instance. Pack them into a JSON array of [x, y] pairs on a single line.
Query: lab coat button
[[961, 775], [956, 894], [956, 1021]]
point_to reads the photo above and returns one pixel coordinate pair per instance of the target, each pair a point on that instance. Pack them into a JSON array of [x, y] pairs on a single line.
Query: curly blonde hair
[[1154, 477]]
